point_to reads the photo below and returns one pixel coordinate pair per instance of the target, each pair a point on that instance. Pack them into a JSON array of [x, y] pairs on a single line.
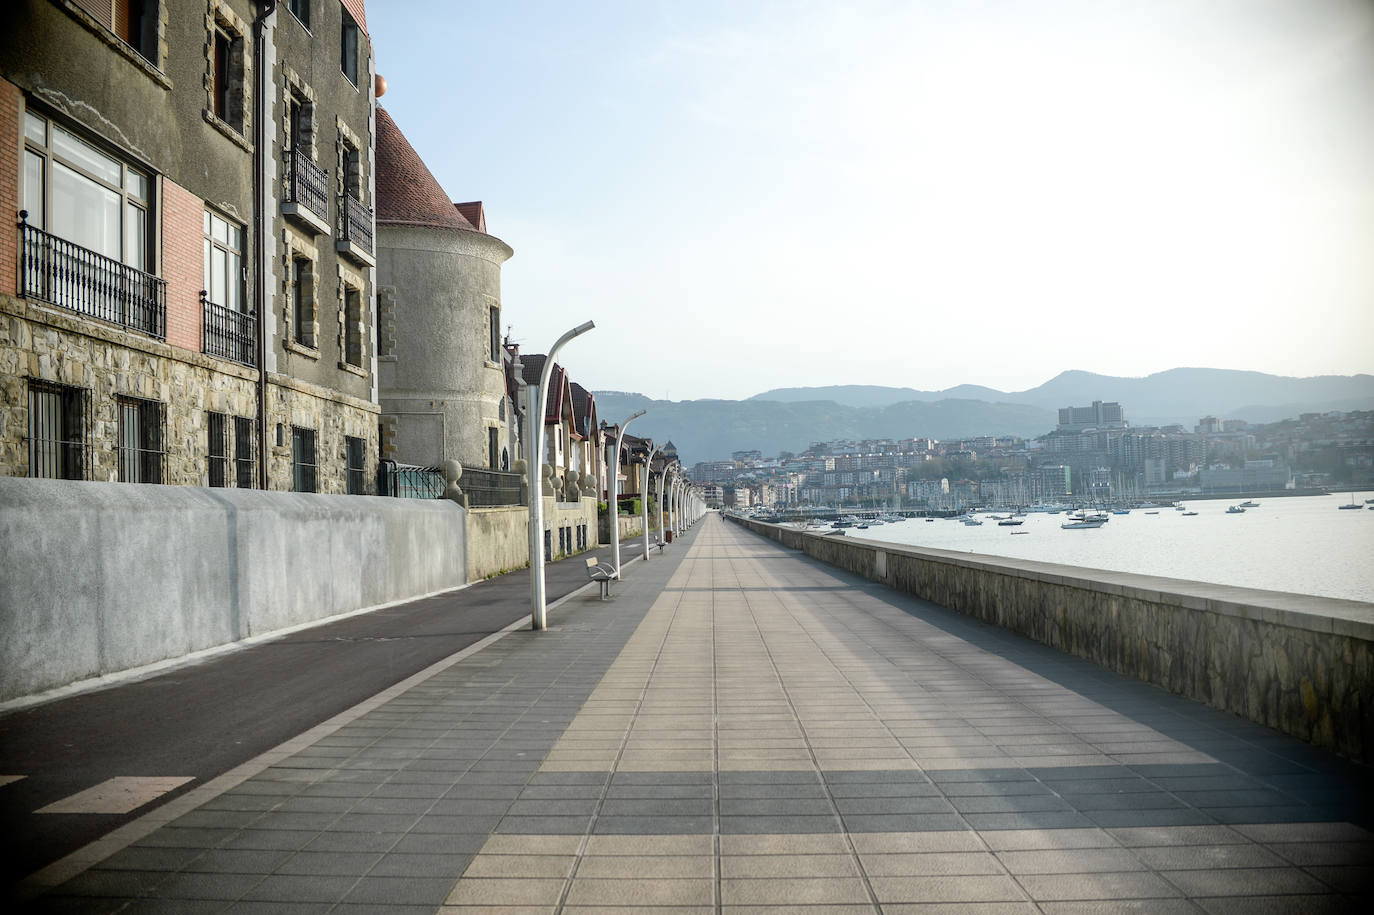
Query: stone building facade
[[443, 380], [144, 296]]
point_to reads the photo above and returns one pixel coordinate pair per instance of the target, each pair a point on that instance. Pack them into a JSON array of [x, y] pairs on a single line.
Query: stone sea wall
[[1300, 664]]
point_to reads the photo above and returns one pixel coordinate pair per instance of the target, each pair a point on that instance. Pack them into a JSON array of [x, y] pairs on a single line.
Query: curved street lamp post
[[644, 499], [615, 492], [534, 466]]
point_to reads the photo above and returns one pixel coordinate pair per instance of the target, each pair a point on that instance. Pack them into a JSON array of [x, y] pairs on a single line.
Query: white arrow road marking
[[117, 795]]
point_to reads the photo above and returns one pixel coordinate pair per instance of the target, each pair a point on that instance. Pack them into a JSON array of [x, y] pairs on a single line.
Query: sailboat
[[1354, 503]]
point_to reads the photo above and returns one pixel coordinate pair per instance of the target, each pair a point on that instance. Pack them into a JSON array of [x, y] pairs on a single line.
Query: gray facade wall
[[99, 578], [1303, 665], [154, 116], [439, 389]]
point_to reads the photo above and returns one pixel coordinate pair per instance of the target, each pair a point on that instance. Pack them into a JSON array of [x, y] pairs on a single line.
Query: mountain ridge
[[789, 419]]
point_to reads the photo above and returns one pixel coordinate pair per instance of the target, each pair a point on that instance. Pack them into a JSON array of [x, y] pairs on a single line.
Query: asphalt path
[[205, 718]]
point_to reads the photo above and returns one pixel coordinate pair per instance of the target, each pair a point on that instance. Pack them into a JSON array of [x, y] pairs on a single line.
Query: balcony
[[65, 274], [229, 334], [307, 192], [355, 231]]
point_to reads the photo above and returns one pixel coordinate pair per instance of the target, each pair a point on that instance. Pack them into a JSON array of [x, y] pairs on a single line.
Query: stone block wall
[[333, 416], [1300, 664], [46, 343]]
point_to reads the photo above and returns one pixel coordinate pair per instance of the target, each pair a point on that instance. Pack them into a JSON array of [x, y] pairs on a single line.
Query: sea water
[[1300, 544]]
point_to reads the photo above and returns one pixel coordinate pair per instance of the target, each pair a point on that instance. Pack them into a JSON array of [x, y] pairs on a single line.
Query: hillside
[[1181, 395], [789, 419]]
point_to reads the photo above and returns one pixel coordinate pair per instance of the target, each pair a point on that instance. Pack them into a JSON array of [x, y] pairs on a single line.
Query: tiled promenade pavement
[[744, 730]]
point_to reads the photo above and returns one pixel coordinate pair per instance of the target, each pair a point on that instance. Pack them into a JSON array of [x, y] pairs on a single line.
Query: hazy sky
[[747, 195]]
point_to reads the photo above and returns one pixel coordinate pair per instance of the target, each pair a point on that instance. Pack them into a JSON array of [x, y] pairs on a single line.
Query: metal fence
[[356, 223], [489, 488], [229, 334], [408, 481], [58, 271], [309, 184]]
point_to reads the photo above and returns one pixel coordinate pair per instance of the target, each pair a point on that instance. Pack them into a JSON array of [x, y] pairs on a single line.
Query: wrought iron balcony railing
[[229, 334], [356, 223], [309, 185], [64, 273]]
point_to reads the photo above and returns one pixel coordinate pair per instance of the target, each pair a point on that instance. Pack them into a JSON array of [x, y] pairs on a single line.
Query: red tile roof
[[474, 213], [407, 192]]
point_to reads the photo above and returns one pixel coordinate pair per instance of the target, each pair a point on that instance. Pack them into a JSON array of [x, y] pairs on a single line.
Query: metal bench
[[601, 574]]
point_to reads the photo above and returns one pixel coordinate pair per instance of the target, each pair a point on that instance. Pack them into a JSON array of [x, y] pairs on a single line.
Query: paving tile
[[787, 866], [1121, 907], [641, 892], [645, 866], [512, 891], [1070, 861], [945, 889], [931, 864], [1244, 882], [795, 891], [1106, 886], [492, 865], [1278, 905]]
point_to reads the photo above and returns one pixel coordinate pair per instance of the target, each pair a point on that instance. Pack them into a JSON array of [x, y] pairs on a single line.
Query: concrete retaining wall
[[97, 578], [1301, 664]]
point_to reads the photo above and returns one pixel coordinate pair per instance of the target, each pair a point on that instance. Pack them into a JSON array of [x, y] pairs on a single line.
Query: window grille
[[140, 451], [217, 427], [356, 465], [59, 446], [243, 452], [303, 469]]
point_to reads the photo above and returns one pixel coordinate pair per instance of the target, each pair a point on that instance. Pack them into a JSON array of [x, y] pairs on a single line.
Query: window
[[302, 459], [348, 48], [302, 302], [227, 70], [223, 262], [301, 10], [353, 327], [355, 463], [494, 331], [136, 23], [243, 452], [296, 115], [493, 447], [79, 192], [59, 448], [140, 449], [217, 427], [224, 50], [351, 168]]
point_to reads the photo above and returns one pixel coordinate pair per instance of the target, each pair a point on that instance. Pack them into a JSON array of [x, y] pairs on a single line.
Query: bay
[[1301, 544]]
